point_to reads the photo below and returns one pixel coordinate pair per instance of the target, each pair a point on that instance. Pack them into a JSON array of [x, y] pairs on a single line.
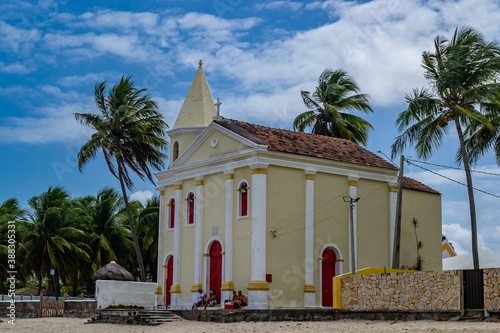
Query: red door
[[216, 268], [168, 280], [328, 271]]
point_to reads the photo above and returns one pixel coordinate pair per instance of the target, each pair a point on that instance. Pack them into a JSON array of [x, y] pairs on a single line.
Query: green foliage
[[419, 261], [336, 92]]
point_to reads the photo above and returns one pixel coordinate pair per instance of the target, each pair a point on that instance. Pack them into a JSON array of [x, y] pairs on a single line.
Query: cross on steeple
[[218, 104]]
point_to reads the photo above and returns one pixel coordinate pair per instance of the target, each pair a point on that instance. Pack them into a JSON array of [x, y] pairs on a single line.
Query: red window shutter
[[191, 213], [244, 204]]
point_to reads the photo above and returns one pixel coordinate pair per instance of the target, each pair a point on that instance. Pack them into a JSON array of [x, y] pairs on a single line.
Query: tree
[[336, 92], [49, 242], [461, 74], [148, 220], [131, 133]]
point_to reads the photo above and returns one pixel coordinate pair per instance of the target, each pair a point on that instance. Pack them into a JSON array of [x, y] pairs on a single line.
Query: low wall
[[31, 309], [79, 308], [491, 289], [124, 293], [415, 291]]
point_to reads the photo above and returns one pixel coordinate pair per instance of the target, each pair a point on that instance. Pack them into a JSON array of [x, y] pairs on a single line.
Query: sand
[[73, 325]]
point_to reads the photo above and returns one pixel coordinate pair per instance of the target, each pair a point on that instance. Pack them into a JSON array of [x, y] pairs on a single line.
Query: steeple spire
[[198, 108]]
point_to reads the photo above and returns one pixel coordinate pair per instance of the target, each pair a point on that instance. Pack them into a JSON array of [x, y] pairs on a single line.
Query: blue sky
[[257, 56]]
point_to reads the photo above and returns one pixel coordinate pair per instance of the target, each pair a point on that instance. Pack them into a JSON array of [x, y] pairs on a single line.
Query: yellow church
[[259, 209]]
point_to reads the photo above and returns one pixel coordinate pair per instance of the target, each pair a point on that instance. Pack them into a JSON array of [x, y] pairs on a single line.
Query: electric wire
[[451, 179], [450, 167]]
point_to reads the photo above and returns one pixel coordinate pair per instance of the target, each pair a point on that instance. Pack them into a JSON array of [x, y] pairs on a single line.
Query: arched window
[[243, 199], [175, 151], [171, 214], [190, 208]]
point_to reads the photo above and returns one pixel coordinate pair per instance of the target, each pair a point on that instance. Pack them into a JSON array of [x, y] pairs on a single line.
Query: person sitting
[[212, 300], [240, 301], [200, 301], [235, 301]]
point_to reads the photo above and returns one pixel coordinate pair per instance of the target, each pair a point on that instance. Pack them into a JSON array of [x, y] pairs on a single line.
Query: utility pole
[[397, 226], [351, 202]]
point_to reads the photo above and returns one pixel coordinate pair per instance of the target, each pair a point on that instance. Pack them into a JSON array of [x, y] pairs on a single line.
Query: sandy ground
[[72, 325]]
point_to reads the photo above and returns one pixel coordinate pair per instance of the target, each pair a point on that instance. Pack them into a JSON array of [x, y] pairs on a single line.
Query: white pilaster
[[228, 284], [309, 288], [159, 281], [197, 237], [258, 287], [175, 290], [353, 192], [393, 198]]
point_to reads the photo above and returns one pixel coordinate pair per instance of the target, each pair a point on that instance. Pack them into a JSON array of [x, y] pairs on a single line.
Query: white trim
[[212, 127], [169, 253], [185, 130], [393, 198], [198, 231], [186, 222], [169, 213], [309, 300], [228, 232], [338, 267], [216, 164], [353, 192], [207, 261], [238, 201], [160, 237]]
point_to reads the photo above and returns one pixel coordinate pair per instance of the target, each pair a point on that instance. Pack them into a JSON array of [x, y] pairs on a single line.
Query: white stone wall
[[126, 293], [412, 291]]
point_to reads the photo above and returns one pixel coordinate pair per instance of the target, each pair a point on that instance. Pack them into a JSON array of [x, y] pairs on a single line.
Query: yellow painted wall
[[426, 208], [373, 229], [187, 236], [168, 236], [286, 252], [184, 141], [225, 145], [241, 235]]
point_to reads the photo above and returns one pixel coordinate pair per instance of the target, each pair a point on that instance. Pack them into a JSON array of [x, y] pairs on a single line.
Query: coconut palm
[[49, 242], [336, 93], [461, 74], [131, 133], [148, 220]]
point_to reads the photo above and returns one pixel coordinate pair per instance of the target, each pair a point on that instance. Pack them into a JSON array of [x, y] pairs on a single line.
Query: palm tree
[[149, 217], [336, 92], [131, 133], [461, 74], [49, 242]]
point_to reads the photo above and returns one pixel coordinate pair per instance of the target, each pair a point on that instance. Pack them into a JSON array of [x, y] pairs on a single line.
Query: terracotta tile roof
[[315, 145], [412, 184], [307, 144]]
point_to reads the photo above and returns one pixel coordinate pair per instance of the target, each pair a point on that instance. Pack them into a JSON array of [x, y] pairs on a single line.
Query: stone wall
[[31, 309], [79, 308], [419, 291], [491, 289]]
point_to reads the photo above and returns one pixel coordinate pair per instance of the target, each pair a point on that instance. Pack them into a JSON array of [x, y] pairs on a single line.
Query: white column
[[228, 284], [175, 290], [159, 281], [258, 287], [309, 288], [393, 198], [197, 237], [353, 190]]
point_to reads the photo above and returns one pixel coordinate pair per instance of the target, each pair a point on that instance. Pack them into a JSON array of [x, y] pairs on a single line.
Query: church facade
[[261, 210]]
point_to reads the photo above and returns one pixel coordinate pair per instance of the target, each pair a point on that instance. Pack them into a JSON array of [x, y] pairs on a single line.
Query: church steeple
[[198, 108]]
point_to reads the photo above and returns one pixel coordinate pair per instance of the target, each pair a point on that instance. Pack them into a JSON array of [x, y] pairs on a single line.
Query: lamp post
[[351, 202]]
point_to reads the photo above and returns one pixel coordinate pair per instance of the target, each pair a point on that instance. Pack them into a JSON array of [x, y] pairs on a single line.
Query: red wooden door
[[169, 279], [216, 269], [328, 271]]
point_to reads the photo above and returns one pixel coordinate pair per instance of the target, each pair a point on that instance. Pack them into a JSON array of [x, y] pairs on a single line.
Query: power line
[[451, 179], [450, 167]]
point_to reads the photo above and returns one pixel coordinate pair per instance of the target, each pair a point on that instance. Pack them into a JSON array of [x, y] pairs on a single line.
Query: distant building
[[259, 209]]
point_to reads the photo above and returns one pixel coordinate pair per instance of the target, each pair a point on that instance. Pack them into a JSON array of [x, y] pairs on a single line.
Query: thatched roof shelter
[[113, 271]]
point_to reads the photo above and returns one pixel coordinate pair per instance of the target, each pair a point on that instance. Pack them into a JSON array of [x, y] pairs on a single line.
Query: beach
[[77, 325]]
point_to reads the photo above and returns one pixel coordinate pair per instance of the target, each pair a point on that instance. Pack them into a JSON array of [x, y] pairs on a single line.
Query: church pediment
[[213, 142]]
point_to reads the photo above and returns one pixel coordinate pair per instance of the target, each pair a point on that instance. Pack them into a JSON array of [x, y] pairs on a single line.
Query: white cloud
[[281, 5], [142, 196], [76, 80], [14, 68], [461, 238]]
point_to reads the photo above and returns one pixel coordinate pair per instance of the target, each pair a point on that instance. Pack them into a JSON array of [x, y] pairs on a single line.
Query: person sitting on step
[[200, 301], [212, 300]]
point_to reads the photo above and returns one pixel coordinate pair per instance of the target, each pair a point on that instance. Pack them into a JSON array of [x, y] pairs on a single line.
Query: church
[[263, 210]]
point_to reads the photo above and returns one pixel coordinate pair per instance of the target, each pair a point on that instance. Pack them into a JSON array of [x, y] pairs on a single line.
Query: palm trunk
[[472, 205], [131, 222]]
